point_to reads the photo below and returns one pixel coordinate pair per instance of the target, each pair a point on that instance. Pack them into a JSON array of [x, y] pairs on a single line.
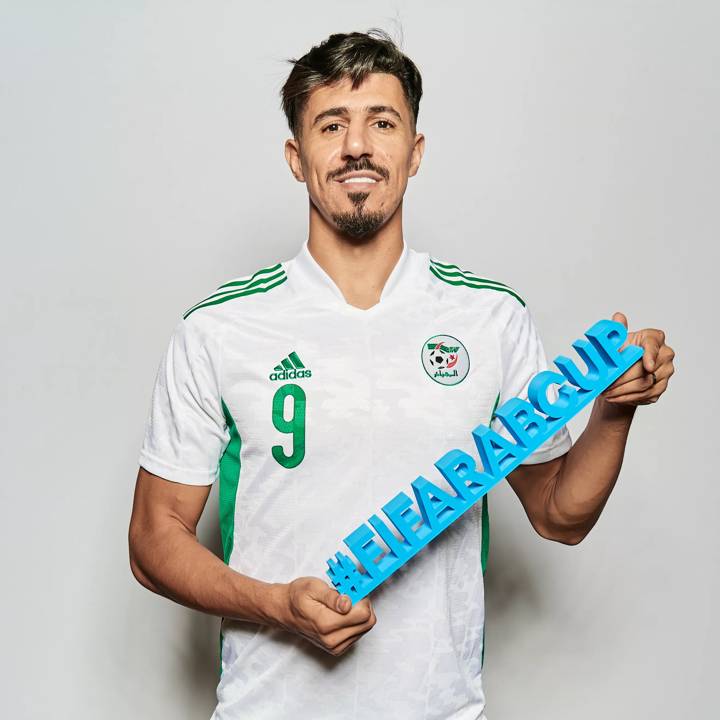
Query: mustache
[[362, 164]]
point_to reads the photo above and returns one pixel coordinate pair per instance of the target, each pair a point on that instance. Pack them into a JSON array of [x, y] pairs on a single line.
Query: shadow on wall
[[510, 583]]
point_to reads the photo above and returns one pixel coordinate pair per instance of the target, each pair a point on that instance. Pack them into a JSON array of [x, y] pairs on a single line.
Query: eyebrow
[[343, 110]]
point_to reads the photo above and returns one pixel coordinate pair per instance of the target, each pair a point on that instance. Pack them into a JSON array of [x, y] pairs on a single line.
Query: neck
[[359, 267]]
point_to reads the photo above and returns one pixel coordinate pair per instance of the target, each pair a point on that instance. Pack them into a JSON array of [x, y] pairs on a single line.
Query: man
[[315, 389]]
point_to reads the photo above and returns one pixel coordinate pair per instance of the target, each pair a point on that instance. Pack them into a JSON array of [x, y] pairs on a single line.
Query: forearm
[[589, 471], [173, 563]]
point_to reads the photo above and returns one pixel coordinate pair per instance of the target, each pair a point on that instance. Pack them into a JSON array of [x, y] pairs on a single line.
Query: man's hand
[[645, 381], [309, 607]]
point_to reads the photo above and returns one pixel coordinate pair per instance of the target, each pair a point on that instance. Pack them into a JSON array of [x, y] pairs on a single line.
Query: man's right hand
[[308, 606]]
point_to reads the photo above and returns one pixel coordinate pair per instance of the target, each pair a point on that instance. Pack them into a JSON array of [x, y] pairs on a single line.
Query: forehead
[[375, 89]]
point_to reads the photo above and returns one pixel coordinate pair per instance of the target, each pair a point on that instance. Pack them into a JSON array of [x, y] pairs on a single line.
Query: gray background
[[572, 152]]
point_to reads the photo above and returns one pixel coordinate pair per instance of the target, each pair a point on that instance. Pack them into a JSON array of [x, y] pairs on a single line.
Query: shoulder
[[261, 284], [467, 286]]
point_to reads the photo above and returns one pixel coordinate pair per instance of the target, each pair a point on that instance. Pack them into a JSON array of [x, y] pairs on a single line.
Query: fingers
[[651, 341], [331, 598], [633, 381], [338, 641], [321, 615], [619, 317], [643, 391], [633, 373], [326, 621], [637, 379], [643, 398]]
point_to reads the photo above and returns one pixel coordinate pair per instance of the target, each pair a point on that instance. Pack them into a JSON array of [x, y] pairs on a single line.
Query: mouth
[[359, 180]]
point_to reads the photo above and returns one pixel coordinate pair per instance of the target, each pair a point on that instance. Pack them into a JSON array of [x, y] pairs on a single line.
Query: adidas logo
[[290, 368]]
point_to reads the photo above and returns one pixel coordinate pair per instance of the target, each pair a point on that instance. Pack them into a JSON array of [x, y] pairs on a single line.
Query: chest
[[312, 386]]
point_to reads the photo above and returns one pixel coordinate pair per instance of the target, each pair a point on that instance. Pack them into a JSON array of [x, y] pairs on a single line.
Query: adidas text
[[290, 374]]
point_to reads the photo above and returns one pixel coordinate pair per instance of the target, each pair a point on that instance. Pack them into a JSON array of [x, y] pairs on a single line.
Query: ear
[[292, 155], [417, 153]]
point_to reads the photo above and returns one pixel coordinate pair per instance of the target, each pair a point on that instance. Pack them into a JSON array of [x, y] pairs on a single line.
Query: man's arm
[[167, 558], [563, 498]]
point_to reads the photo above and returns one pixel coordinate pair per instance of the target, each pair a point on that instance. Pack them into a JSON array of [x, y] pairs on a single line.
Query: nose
[[356, 141]]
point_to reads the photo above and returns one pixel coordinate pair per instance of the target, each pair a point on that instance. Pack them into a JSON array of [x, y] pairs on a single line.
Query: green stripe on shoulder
[[453, 275], [259, 282]]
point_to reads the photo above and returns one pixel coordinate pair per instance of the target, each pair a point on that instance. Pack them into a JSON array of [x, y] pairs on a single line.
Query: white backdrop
[[572, 152]]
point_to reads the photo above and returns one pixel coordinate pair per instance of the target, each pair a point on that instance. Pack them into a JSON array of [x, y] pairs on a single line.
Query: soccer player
[[315, 389]]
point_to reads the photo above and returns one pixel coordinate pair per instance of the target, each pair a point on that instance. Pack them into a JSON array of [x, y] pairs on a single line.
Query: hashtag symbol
[[344, 575]]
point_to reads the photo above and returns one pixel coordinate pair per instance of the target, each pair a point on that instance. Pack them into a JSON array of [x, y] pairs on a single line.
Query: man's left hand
[[645, 381]]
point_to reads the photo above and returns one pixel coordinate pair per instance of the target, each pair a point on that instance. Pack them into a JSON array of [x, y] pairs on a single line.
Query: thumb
[[335, 601], [619, 317]]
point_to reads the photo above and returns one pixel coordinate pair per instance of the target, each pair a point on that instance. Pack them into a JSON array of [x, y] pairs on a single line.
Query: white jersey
[[312, 414]]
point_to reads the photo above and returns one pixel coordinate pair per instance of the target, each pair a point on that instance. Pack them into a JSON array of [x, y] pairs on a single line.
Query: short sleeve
[[185, 432], [522, 357]]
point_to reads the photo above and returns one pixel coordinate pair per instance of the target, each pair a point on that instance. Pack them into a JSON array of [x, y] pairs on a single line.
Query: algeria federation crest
[[445, 359]]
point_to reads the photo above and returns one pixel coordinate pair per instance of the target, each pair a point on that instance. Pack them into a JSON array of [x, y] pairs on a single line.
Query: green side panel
[[229, 479], [477, 285]]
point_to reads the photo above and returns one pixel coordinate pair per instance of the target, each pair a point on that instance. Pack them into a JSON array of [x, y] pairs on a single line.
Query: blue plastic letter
[[404, 518], [459, 469], [496, 453], [437, 507], [566, 404], [522, 421], [361, 542]]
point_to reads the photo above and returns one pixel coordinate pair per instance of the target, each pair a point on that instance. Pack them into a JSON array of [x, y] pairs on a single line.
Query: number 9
[[295, 425]]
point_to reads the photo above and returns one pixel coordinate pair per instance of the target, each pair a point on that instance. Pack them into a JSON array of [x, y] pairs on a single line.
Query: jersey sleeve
[[522, 357], [186, 432]]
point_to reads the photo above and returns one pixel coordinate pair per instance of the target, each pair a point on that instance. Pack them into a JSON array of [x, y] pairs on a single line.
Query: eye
[[387, 123], [331, 125]]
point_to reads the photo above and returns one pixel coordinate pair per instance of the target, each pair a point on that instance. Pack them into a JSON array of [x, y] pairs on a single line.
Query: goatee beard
[[358, 224]]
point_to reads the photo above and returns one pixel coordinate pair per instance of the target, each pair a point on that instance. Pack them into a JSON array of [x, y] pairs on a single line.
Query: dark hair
[[352, 55]]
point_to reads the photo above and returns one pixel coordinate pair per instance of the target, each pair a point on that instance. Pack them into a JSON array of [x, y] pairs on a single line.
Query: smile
[[359, 180], [359, 183]]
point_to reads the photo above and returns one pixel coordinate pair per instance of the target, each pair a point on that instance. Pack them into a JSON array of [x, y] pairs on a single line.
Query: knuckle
[[321, 628]]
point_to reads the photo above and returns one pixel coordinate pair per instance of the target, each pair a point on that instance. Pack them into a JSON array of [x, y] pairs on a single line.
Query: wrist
[[277, 605], [613, 415]]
